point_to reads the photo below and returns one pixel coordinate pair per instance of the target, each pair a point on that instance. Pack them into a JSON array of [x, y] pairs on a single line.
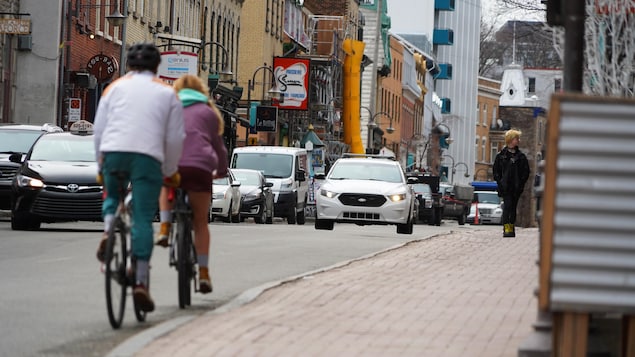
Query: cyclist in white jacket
[[139, 130]]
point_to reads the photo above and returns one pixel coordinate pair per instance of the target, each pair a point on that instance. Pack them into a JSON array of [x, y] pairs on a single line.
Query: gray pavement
[[468, 293]]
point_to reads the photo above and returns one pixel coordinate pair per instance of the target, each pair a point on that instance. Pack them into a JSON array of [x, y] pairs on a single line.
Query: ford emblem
[[361, 200], [73, 187]]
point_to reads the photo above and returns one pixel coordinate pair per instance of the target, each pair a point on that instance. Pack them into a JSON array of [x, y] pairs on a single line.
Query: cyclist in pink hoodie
[[204, 158]]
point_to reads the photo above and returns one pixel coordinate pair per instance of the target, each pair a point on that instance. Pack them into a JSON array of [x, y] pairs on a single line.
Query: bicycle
[[119, 263], [182, 249]]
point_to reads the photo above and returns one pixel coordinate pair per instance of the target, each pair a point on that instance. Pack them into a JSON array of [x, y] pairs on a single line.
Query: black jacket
[[511, 171]]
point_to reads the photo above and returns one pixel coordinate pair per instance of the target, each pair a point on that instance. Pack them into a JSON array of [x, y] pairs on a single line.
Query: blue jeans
[[144, 173]]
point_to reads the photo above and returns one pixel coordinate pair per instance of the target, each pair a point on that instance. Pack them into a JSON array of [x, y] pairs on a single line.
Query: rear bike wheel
[[184, 263], [116, 270]]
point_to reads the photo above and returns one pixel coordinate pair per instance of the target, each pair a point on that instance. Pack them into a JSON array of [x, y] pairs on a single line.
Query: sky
[[406, 15]]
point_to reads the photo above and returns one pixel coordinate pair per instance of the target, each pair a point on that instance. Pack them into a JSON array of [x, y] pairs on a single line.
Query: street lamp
[[274, 93], [225, 73], [467, 170], [373, 124]]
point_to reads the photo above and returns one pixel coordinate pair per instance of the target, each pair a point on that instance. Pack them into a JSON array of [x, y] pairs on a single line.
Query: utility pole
[[373, 81]]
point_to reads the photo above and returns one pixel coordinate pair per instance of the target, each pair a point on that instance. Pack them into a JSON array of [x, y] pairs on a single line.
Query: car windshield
[[54, 147], [247, 178], [487, 197], [17, 140], [366, 171], [272, 165], [221, 181], [421, 188]]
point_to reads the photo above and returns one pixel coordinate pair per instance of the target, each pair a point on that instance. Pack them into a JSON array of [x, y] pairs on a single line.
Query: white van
[[286, 168]]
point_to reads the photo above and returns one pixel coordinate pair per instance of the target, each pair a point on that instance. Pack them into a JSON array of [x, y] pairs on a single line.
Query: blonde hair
[[191, 81], [511, 134]]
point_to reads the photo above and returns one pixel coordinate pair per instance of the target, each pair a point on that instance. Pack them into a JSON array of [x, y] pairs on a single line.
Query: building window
[[484, 116], [557, 85], [532, 85], [494, 110], [493, 152], [476, 150], [483, 149], [478, 113]]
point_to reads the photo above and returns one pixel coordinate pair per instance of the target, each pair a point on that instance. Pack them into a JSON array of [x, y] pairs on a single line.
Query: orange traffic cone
[[476, 213]]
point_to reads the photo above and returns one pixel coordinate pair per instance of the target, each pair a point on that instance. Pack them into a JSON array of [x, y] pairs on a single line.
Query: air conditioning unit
[[25, 43]]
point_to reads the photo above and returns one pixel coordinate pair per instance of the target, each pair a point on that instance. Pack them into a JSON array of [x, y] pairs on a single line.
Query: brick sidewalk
[[463, 294]]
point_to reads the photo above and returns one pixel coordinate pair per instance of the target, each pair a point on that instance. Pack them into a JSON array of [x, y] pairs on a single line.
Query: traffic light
[[443, 141]]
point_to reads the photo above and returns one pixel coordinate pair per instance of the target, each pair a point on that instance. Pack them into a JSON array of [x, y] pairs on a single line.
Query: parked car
[[423, 193], [456, 201], [16, 139], [226, 199], [286, 168], [56, 182], [365, 191], [490, 208], [257, 195]]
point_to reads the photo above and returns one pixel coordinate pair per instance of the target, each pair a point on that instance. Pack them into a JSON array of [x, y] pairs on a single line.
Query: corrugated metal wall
[[593, 262]]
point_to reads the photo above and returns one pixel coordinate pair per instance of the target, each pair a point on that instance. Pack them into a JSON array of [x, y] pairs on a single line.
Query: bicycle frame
[[183, 252]]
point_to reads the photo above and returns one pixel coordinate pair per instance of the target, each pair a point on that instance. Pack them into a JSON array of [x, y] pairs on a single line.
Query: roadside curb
[[137, 342]]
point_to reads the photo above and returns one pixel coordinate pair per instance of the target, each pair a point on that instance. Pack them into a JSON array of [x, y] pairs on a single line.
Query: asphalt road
[[52, 301]]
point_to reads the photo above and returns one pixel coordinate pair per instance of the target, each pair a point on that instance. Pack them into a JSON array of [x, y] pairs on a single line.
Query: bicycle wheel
[[116, 279], [183, 262]]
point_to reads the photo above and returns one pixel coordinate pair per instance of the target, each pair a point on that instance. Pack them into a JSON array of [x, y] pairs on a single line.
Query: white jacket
[[140, 113]]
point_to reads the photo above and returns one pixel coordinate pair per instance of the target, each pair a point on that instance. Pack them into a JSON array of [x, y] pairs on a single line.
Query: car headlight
[[428, 203], [253, 195], [219, 195], [397, 197], [26, 181], [327, 193], [286, 184]]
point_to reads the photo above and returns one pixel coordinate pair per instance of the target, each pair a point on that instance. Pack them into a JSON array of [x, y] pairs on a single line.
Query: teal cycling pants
[[144, 173]]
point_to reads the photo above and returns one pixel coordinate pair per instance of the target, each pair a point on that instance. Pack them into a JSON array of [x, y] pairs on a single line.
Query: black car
[[56, 182], [16, 139], [257, 195]]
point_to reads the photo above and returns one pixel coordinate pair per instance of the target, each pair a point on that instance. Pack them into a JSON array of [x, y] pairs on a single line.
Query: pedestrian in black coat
[[511, 171]]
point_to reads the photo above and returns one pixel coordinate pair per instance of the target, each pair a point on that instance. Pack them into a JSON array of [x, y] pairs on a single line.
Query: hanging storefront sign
[[15, 26], [266, 118], [175, 64], [102, 66], [292, 76]]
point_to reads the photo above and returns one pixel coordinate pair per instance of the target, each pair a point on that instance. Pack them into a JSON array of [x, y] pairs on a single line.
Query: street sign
[[266, 118], [74, 109], [15, 26]]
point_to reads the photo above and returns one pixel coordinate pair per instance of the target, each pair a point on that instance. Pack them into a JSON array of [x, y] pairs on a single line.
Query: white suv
[[366, 190]]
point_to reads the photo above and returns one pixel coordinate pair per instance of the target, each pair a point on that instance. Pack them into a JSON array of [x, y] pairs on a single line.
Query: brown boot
[[204, 281], [163, 239], [101, 248]]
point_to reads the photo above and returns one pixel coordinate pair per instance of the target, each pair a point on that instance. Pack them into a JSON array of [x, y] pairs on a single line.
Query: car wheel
[[291, 216], [24, 221], [405, 228], [462, 219], [236, 218], [301, 217], [323, 224], [262, 217]]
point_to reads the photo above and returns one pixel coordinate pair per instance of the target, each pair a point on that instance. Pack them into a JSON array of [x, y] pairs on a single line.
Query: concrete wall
[[37, 71]]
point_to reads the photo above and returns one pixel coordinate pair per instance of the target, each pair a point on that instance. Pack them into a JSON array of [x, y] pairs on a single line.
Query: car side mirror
[[319, 176], [16, 157], [300, 175], [268, 184], [235, 184]]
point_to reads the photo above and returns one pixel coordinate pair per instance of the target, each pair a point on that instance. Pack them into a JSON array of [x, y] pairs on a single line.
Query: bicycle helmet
[[143, 56]]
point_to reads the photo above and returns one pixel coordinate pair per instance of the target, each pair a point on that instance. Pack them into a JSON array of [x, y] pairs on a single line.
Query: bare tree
[[491, 51]]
